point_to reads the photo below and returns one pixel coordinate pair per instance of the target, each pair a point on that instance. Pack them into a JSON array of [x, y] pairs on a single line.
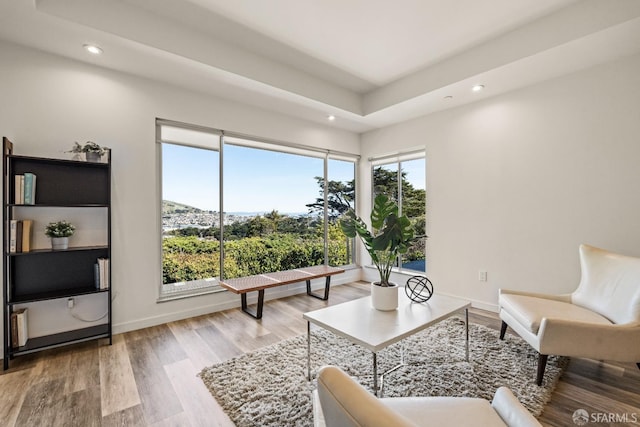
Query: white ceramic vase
[[59, 243], [384, 298], [93, 157]]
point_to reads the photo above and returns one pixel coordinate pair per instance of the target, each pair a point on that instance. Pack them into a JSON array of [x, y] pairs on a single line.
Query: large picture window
[[403, 179], [234, 206]]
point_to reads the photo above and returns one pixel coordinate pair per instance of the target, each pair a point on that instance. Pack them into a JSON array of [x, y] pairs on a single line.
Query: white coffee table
[[374, 330]]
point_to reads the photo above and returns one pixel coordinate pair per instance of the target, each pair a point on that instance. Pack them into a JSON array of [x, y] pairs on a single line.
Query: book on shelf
[[14, 330], [19, 227], [20, 235], [19, 328], [13, 236], [103, 267], [96, 275], [26, 234], [23, 330], [18, 197], [25, 189], [29, 189]]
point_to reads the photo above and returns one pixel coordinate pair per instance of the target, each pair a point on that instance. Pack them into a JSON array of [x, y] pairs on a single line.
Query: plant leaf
[[382, 208]]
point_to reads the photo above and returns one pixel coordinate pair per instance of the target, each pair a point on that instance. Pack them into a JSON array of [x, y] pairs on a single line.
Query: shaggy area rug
[[268, 387]]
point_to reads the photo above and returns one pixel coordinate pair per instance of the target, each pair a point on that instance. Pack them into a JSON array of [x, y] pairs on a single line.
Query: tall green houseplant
[[390, 235]]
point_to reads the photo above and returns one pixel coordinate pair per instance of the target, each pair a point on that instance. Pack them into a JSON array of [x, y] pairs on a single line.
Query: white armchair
[[599, 320], [339, 401]]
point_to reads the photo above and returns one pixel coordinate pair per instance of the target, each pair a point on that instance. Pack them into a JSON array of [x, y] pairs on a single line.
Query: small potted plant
[[92, 151], [391, 236], [59, 231]]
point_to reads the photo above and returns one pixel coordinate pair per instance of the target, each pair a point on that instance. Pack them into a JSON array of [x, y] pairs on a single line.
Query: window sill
[[190, 292], [396, 270]]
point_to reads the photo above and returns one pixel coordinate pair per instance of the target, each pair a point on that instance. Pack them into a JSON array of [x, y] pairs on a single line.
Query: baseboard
[[485, 306], [227, 300]]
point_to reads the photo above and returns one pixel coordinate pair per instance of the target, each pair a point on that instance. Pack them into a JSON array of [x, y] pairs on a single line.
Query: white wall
[[48, 102], [516, 182]]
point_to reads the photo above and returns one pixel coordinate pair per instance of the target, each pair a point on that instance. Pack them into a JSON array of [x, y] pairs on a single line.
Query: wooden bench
[[260, 282]]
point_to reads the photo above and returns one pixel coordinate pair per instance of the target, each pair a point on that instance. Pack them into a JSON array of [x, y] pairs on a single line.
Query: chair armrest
[[511, 410], [590, 340], [318, 415], [344, 402], [561, 297]]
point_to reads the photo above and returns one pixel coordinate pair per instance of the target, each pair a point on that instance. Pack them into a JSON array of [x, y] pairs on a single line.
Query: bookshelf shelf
[[40, 205], [63, 338], [59, 293], [43, 274], [51, 251]]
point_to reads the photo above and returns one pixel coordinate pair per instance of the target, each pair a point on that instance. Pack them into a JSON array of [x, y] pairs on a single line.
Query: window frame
[[201, 287], [397, 160], [235, 138]]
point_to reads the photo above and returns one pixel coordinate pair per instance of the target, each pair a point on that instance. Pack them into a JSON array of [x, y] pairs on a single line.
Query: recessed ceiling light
[[93, 49], [331, 117], [477, 88]]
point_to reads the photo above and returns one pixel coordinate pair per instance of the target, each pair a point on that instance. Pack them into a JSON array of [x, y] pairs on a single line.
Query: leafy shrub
[[191, 258]]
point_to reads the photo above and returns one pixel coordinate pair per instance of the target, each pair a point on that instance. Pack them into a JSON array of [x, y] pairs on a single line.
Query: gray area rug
[[268, 387]]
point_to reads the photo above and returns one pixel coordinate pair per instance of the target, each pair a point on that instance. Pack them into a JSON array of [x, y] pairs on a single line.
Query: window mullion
[[326, 210], [221, 203]]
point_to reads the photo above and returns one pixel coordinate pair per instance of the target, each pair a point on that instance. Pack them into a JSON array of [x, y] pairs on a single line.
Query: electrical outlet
[[70, 303], [482, 276]]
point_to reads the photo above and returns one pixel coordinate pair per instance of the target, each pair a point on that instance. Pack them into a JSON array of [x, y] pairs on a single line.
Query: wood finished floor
[[148, 377]]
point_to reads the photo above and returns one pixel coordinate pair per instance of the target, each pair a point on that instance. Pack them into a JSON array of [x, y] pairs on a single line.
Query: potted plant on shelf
[[390, 236], [59, 231], [92, 151]]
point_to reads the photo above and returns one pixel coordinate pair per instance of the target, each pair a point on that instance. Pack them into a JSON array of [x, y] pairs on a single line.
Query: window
[[269, 227], [190, 209], [235, 206], [341, 194], [403, 179]]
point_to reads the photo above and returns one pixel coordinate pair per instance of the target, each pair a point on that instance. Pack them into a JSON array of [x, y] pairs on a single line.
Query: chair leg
[[503, 329], [542, 364]]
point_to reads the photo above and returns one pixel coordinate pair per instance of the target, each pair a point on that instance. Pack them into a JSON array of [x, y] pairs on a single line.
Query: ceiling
[[371, 63]]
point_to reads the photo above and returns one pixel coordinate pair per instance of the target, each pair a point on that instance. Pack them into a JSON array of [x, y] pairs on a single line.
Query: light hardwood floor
[[148, 377]]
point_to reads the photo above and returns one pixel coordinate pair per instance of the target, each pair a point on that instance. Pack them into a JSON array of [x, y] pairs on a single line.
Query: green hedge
[[192, 258]]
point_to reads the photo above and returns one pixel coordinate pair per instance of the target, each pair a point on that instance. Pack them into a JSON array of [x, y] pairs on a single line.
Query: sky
[[254, 180]]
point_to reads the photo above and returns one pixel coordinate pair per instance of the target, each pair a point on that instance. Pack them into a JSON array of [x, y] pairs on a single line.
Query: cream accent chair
[[339, 401], [599, 320]]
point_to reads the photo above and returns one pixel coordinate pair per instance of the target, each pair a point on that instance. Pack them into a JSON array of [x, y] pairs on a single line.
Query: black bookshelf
[[44, 274]]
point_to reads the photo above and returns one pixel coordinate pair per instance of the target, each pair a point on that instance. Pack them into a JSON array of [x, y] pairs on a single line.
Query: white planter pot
[[59, 243], [93, 157], [384, 298]]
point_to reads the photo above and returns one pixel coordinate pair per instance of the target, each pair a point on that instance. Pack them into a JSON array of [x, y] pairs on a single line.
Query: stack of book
[[25, 189], [101, 270], [19, 331], [20, 235]]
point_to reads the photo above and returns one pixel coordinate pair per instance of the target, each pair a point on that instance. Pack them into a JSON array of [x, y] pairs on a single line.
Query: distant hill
[[169, 207]]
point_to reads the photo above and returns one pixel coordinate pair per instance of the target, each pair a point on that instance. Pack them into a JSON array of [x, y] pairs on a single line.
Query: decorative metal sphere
[[419, 289]]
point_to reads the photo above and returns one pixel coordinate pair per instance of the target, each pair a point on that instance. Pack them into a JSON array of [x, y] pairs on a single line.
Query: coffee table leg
[[375, 374], [466, 322], [308, 351]]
